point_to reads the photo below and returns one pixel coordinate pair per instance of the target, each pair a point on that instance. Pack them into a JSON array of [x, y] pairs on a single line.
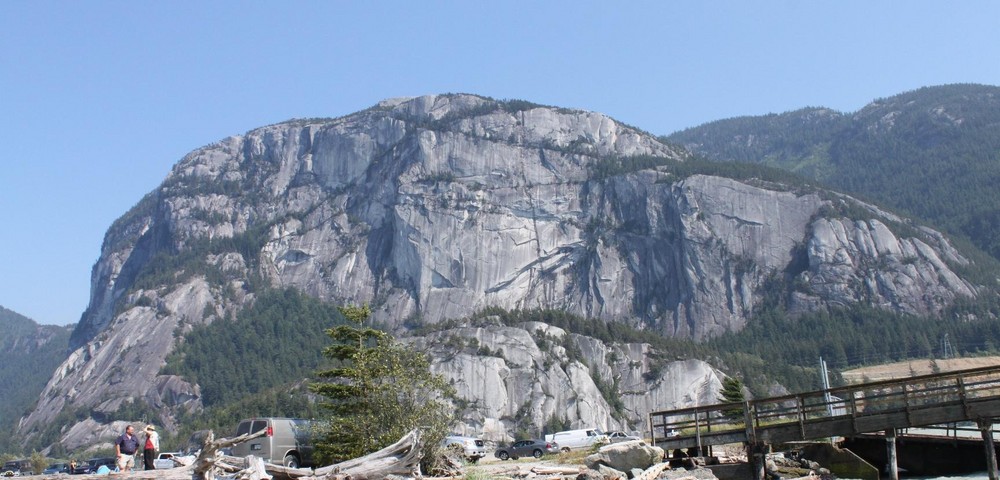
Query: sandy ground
[[891, 371], [520, 467], [492, 466]]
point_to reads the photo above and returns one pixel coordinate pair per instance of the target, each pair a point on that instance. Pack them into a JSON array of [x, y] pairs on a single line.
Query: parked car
[[619, 436], [56, 468], [471, 448], [165, 461], [95, 463], [524, 448], [581, 438], [288, 441], [16, 468]]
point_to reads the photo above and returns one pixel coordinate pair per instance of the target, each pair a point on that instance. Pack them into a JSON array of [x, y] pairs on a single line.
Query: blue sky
[[100, 98]]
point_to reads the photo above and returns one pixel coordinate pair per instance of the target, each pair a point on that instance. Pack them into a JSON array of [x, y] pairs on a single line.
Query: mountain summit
[[437, 207]]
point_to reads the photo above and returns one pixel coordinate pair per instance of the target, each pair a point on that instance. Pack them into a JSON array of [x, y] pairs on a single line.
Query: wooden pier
[[965, 395]]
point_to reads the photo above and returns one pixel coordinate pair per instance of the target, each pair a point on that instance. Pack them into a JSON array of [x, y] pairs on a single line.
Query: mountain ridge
[[437, 207], [30, 352], [895, 151]]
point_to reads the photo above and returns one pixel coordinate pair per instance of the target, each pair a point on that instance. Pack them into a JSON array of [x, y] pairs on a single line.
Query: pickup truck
[[165, 460]]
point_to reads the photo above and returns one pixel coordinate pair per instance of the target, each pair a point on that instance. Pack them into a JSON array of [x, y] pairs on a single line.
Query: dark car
[[93, 464], [16, 468], [527, 448], [56, 468]]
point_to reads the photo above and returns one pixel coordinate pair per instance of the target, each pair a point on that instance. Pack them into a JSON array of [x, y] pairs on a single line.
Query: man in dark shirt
[[125, 447]]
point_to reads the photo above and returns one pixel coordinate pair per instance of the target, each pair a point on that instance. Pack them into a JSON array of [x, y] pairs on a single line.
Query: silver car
[[471, 448], [618, 436]]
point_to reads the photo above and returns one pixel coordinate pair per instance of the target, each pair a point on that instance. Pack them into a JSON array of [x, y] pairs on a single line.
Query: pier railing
[[869, 407]]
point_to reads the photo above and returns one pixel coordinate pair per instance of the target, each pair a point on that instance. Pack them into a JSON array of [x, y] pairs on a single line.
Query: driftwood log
[[653, 472], [401, 458]]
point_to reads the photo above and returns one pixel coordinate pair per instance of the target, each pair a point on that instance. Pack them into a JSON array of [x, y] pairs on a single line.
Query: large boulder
[[625, 456]]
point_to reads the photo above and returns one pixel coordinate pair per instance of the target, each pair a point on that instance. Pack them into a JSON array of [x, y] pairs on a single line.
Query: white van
[[288, 441], [582, 438]]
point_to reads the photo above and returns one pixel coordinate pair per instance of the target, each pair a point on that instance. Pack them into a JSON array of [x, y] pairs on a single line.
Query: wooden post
[[756, 449], [748, 423], [758, 459], [652, 432], [890, 454], [697, 429], [986, 428]]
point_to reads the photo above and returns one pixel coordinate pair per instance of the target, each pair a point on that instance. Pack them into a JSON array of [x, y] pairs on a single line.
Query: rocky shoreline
[[638, 460]]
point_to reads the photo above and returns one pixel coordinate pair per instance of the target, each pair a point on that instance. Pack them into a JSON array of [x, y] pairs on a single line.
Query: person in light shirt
[[150, 447]]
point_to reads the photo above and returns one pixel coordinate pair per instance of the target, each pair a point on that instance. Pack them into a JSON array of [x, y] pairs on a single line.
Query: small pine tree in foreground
[[379, 391], [732, 392]]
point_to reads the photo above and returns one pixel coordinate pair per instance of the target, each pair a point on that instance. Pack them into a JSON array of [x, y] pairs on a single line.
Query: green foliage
[[611, 394], [379, 391], [556, 423], [674, 170], [515, 106], [30, 353], [520, 422], [778, 348], [133, 411], [118, 232], [787, 141], [732, 392], [168, 267], [38, 462], [611, 166], [438, 177], [488, 106], [293, 401], [273, 342], [789, 346], [49, 433], [933, 153]]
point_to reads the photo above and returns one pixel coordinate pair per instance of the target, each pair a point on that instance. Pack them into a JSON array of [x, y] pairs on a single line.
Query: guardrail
[[869, 407]]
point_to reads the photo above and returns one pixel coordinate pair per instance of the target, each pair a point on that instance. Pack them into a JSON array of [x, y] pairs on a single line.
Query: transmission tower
[[946, 350]]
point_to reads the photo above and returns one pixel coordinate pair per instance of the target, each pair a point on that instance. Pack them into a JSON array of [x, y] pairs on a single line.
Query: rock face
[[533, 373], [436, 207]]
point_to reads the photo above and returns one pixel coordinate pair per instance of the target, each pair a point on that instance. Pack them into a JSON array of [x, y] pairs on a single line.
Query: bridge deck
[[870, 407]]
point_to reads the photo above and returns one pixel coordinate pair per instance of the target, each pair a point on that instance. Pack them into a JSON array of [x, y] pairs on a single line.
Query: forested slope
[[933, 153], [29, 353]]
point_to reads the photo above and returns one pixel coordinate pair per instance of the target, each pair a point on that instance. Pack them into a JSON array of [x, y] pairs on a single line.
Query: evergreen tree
[[380, 390], [38, 462], [732, 392]]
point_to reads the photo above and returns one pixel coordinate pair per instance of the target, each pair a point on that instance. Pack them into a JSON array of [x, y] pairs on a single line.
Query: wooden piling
[[758, 459], [986, 429], [890, 454]]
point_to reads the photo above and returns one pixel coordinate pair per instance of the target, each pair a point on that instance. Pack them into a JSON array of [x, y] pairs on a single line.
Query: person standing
[[151, 446], [126, 445]]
